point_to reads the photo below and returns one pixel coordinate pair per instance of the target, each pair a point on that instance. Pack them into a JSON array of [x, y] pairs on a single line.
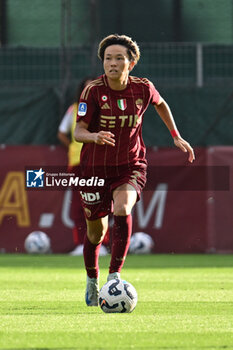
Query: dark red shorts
[[97, 201]]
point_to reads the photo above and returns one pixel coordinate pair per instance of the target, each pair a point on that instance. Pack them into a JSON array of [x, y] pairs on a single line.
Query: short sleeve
[[155, 96], [87, 105]]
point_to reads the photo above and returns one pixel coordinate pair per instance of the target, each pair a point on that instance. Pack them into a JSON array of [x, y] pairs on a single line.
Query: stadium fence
[[167, 64]]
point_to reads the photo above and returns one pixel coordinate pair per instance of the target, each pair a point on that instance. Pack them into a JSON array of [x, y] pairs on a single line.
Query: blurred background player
[[66, 137]]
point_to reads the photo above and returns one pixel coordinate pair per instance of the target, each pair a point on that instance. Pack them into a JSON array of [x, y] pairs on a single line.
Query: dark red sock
[[91, 257], [120, 241]]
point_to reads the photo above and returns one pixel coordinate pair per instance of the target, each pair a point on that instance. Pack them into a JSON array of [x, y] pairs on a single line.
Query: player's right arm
[[82, 134], [88, 108]]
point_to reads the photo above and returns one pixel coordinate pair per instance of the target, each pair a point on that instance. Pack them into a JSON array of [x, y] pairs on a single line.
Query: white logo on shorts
[[90, 197]]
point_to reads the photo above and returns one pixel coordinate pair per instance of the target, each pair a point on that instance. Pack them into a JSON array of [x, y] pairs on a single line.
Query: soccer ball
[[141, 243], [118, 296], [37, 242]]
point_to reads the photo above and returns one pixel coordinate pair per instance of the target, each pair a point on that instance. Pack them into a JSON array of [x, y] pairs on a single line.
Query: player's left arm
[[165, 114]]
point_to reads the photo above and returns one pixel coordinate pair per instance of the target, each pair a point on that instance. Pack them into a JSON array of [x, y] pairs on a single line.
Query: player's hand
[[185, 147], [105, 138]]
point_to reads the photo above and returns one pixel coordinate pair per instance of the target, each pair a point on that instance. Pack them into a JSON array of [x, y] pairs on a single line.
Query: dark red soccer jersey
[[120, 112]]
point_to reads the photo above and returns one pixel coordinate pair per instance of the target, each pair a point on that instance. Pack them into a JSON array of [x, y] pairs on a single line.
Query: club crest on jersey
[[122, 104], [82, 109], [139, 103]]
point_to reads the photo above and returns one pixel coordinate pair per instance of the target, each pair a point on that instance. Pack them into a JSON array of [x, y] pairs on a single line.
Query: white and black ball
[[37, 242], [141, 243], [118, 296]]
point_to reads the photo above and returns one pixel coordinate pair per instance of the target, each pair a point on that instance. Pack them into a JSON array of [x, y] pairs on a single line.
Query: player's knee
[[95, 237], [122, 210]]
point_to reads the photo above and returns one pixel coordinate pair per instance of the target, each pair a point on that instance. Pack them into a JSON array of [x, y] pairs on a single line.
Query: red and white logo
[[104, 98]]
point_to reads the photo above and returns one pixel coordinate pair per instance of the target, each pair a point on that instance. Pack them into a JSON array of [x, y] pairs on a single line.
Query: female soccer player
[[109, 123]]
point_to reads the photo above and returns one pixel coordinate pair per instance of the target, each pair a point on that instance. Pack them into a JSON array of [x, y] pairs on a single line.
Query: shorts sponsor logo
[[35, 178], [90, 197], [82, 109]]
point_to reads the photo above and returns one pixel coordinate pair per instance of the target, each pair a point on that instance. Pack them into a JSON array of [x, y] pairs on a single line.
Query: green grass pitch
[[184, 302]]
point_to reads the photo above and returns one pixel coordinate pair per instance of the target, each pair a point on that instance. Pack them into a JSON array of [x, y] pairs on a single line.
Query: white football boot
[[92, 291]]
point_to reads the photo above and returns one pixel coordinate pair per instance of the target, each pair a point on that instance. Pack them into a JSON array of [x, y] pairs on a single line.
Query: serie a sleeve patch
[[82, 109]]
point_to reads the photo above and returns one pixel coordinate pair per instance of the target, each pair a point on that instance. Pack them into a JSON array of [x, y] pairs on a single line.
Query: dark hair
[[115, 39]]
